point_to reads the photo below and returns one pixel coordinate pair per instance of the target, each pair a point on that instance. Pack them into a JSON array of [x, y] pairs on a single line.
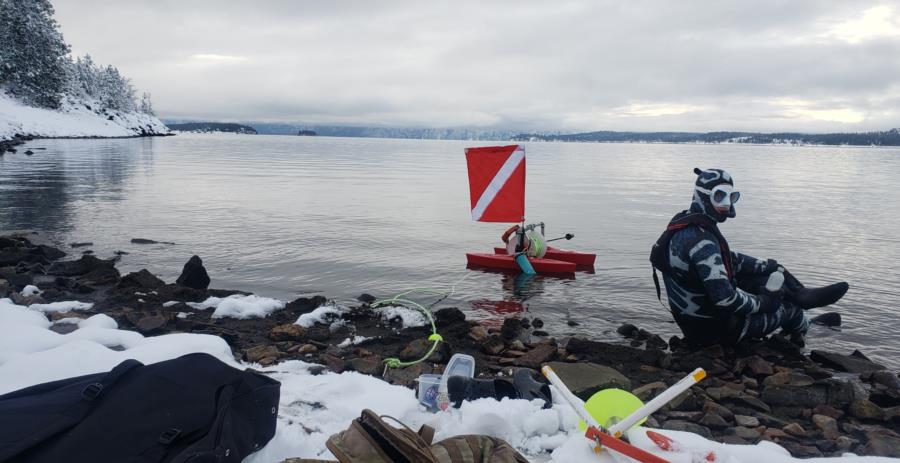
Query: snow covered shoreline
[[19, 122]]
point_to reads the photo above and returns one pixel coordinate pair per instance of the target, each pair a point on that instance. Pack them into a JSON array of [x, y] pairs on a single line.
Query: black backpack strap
[[71, 416]]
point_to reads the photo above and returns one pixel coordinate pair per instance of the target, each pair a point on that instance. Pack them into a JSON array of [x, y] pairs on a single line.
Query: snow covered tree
[[33, 56], [146, 105]]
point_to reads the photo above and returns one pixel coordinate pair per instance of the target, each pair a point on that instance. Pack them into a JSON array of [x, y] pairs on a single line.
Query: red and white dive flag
[[497, 183]]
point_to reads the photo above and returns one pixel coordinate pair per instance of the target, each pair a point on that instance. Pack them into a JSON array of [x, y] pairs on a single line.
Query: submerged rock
[[848, 363]]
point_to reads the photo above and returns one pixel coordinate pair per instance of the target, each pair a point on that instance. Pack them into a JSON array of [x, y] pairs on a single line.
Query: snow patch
[[408, 317], [183, 314], [31, 290], [324, 314], [170, 303], [240, 306], [356, 340], [62, 306]]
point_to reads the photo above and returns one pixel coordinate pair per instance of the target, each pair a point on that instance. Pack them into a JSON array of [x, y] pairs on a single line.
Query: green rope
[[435, 338]]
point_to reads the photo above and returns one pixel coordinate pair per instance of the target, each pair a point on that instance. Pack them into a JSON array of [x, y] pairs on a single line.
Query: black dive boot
[[461, 388], [523, 386], [529, 389], [810, 298]]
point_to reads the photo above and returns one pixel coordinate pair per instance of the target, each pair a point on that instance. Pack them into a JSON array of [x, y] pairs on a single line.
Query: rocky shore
[[812, 404]]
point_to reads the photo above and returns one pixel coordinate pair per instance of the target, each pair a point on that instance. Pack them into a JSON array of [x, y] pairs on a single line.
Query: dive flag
[[497, 183]]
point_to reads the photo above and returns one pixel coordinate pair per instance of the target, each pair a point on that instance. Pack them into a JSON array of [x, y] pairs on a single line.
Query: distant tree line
[[36, 68], [886, 138], [206, 127]]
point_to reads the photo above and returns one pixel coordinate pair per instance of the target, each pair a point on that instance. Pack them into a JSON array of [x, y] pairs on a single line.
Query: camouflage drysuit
[[705, 291]]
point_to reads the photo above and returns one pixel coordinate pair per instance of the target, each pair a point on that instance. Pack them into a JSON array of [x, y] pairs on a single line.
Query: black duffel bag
[[194, 408]]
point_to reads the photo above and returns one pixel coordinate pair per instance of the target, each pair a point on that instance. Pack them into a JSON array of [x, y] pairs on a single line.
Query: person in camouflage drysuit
[[717, 295]]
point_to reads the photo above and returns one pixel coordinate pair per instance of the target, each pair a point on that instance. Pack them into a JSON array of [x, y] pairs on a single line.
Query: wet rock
[[419, 347], [649, 391], [151, 324], [584, 379], [257, 353], [537, 323], [808, 396], [538, 356], [720, 393], [885, 378], [755, 365], [720, 410], [140, 280], [518, 346], [81, 245], [366, 298], [628, 330], [333, 363], [866, 410], [448, 316], [193, 275], [478, 333], [540, 333], [828, 410], [827, 319], [406, 376], [745, 433], [82, 266], [882, 445], [511, 329], [656, 342], [303, 305], [101, 276], [371, 365], [800, 450], [679, 425], [788, 379], [746, 421], [733, 440], [306, 349], [146, 241], [288, 332], [4, 287], [774, 434], [844, 443], [794, 429], [753, 402], [713, 421], [827, 425], [493, 345], [848, 363]]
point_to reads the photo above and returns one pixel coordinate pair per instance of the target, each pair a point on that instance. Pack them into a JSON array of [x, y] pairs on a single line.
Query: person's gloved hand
[[770, 266]]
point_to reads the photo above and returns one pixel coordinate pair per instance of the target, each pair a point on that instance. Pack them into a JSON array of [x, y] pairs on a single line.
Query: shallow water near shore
[[291, 216]]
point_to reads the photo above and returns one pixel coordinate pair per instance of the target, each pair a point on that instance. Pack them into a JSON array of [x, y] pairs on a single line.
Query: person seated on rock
[[527, 240], [717, 295]]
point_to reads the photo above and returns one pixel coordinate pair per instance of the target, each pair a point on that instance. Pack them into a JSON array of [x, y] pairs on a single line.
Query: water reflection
[[40, 192]]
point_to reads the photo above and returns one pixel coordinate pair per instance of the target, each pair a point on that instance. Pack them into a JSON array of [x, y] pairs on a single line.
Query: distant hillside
[[887, 138], [268, 128], [212, 127]]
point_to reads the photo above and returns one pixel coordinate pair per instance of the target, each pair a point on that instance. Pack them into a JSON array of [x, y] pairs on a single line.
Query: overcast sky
[[808, 65]]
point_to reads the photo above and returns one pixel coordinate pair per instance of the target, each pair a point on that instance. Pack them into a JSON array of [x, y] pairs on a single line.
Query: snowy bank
[[315, 405], [75, 120]]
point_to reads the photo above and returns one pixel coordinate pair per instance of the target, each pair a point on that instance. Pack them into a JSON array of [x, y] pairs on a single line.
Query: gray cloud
[[567, 65]]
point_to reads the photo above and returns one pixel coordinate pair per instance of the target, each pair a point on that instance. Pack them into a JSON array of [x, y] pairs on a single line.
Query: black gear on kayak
[[708, 179], [522, 386]]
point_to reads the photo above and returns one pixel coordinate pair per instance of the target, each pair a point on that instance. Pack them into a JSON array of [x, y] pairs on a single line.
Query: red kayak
[[506, 262], [577, 258]]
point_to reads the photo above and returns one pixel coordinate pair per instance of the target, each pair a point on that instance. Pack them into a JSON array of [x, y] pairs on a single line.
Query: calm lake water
[[294, 216]]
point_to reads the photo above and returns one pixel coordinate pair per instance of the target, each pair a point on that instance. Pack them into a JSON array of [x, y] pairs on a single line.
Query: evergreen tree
[[146, 105], [34, 59]]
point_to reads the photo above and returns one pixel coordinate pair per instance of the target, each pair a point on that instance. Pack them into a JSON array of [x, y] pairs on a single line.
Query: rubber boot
[[461, 388], [529, 389], [810, 298]]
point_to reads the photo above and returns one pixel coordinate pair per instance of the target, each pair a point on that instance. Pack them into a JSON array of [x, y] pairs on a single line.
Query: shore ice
[[315, 406]]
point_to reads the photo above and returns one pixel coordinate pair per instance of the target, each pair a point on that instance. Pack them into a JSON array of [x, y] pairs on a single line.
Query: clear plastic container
[[428, 391], [459, 365]]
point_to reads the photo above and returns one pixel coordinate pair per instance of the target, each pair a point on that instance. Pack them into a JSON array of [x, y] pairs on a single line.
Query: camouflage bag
[[370, 439]]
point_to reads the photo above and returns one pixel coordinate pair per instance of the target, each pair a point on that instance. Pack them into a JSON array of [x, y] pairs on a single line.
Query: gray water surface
[[289, 216]]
